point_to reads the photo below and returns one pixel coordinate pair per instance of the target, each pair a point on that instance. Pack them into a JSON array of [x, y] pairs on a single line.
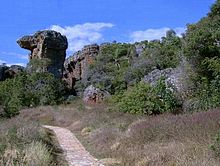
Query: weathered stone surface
[[156, 74], [139, 48], [47, 44], [94, 95], [9, 72], [178, 79], [76, 66]]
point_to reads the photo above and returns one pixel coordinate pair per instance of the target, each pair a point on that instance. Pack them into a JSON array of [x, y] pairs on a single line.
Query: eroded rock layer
[[76, 66]]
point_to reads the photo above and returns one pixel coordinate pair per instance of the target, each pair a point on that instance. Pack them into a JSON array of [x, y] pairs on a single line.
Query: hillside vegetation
[[119, 69], [144, 121]]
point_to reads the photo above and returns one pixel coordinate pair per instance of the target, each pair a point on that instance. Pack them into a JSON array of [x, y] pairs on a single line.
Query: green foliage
[[11, 92], [39, 65], [145, 99], [141, 99], [203, 41], [169, 100], [118, 65], [30, 90], [45, 89], [165, 53], [202, 47], [107, 73], [208, 94], [216, 145], [212, 65], [215, 9]]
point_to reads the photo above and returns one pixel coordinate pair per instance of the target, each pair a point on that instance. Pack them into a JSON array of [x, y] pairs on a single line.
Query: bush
[[140, 99], [216, 145], [44, 89], [208, 94], [107, 72], [202, 42], [30, 90], [11, 93], [145, 99]]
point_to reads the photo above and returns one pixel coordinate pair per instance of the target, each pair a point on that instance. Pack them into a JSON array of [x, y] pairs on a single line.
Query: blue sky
[[93, 21]]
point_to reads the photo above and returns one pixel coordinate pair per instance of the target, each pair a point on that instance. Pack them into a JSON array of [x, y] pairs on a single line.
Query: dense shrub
[[208, 94], [107, 73], [165, 53], [170, 101], [202, 47], [142, 98], [30, 90], [202, 42]]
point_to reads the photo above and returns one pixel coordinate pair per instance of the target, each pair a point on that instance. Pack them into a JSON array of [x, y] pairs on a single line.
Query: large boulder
[[94, 95], [47, 44]]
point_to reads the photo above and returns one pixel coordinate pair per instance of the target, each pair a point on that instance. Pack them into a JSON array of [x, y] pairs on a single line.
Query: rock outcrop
[[178, 79], [139, 48], [9, 72], [76, 66], [156, 74], [94, 95], [47, 44]]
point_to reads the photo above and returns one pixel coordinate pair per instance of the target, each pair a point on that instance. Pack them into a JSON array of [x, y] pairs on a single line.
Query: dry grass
[[21, 144], [172, 140]]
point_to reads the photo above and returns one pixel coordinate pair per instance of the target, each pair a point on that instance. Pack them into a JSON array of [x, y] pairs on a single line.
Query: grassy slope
[[137, 140], [22, 143]]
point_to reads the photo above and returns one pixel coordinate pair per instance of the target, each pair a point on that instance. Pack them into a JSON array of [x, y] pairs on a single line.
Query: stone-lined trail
[[74, 152]]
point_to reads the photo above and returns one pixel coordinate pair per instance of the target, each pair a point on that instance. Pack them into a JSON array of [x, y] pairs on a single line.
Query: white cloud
[[20, 56], [19, 64], [1, 62], [10, 64], [152, 34], [82, 34]]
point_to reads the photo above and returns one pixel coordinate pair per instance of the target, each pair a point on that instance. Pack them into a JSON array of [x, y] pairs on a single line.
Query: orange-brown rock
[[76, 66]]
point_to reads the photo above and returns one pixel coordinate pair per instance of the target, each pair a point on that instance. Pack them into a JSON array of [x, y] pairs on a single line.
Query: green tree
[[203, 42]]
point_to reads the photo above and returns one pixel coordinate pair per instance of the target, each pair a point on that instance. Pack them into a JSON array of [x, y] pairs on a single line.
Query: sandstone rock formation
[[47, 44], [93, 95], [76, 66]]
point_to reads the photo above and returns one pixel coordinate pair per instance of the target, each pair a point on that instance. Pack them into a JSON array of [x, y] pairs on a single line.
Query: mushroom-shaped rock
[[47, 44]]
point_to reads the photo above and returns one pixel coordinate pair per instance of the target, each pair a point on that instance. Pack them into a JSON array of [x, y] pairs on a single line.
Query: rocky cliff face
[[47, 44], [76, 66]]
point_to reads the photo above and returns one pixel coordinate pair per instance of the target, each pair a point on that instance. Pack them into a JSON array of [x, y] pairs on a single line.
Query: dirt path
[[74, 152]]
